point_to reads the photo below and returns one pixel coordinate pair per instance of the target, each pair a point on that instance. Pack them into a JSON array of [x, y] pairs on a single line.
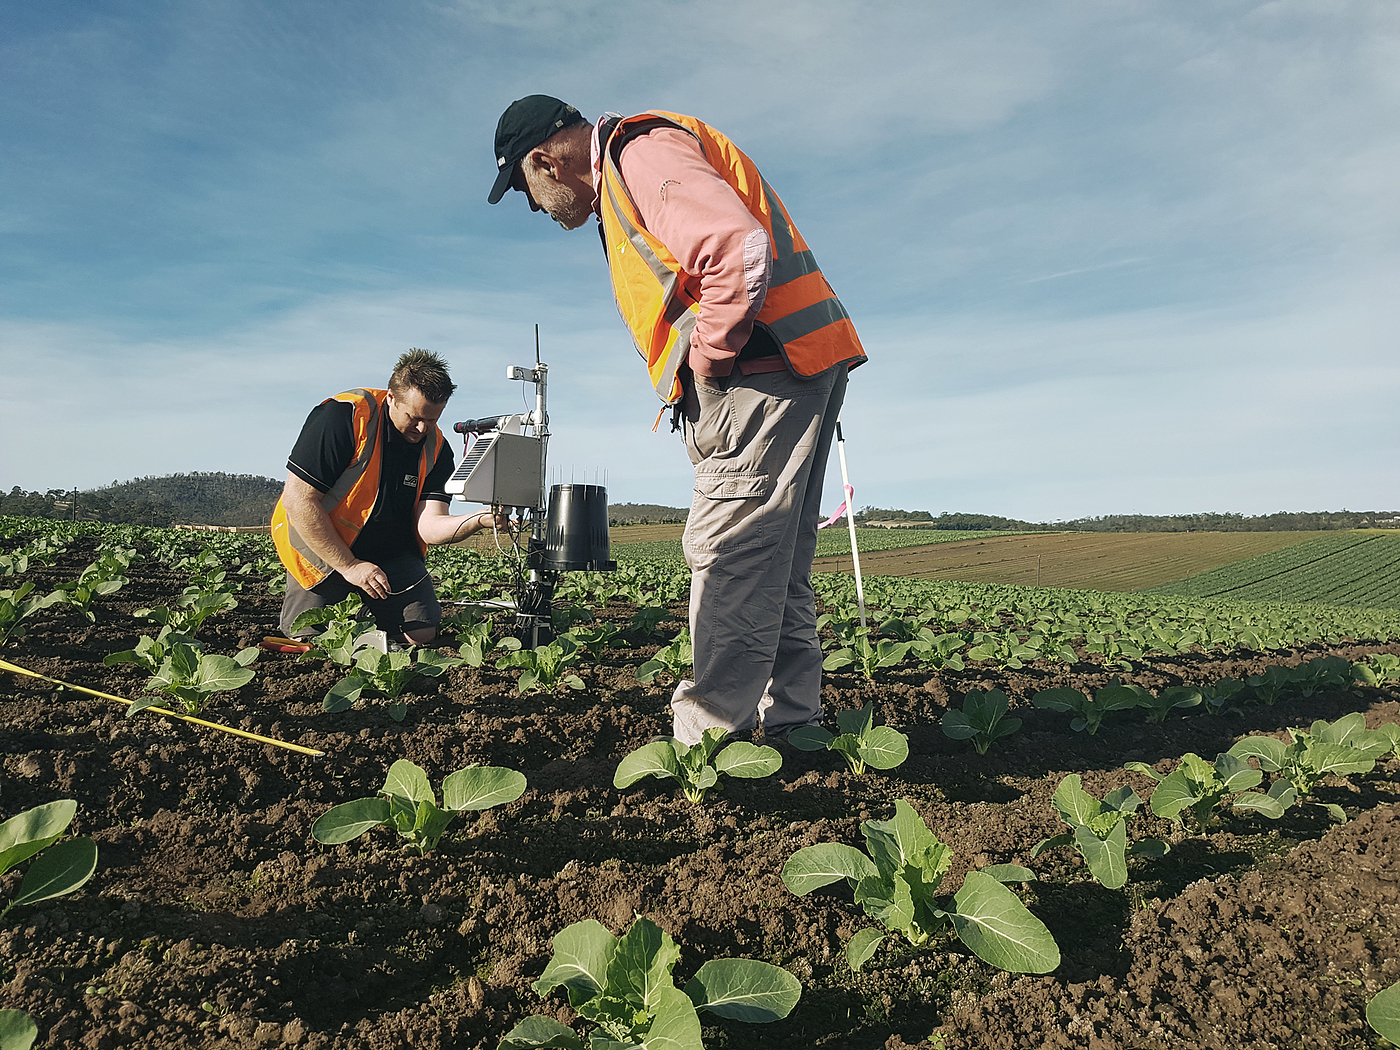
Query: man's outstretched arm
[[437, 526]]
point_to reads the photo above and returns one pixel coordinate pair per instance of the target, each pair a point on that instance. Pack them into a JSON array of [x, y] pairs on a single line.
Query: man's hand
[[368, 577]]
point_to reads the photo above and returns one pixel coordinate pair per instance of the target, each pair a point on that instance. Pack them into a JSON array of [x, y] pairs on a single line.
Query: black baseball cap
[[524, 125]]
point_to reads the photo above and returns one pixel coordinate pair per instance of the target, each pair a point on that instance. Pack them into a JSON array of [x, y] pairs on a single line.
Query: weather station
[[555, 529]]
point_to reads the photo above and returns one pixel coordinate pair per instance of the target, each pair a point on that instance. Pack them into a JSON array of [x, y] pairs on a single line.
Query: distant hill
[[199, 498]]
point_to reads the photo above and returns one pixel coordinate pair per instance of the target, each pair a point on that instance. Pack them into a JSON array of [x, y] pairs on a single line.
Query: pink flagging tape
[[836, 515]]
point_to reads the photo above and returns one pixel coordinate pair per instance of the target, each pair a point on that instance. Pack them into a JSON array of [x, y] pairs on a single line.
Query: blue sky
[[1105, 256]]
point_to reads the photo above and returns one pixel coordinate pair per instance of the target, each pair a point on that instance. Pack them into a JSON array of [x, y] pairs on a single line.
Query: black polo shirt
[[326, 448]]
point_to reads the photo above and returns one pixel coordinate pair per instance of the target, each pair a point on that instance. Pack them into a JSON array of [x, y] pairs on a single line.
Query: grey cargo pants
[[759, 447]]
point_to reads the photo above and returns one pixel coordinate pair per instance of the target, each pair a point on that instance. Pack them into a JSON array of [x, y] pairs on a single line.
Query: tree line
[[212, 498]]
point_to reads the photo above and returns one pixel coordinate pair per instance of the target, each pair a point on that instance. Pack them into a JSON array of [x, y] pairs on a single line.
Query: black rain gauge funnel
[[576, 535]]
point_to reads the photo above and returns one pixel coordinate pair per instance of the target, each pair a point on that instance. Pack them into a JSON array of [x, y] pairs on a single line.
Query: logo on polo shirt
[[410, 480]]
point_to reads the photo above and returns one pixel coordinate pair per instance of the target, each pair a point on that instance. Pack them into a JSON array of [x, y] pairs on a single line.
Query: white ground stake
[[850, 519]]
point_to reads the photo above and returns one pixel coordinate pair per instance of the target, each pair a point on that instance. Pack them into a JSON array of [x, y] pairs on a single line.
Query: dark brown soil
[[215, 921]]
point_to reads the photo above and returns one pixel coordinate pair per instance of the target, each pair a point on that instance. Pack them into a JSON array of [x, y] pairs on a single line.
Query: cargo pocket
[[727, 511]]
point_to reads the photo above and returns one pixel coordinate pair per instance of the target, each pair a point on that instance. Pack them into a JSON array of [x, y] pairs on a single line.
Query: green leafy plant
[[190, 612], [1376, 670], [674, 659], [982, 719], [1198, 787], [386, 675], [624, 987], [150, 652], [1383, 1013], [1158, 706], [544, 666], [190, 677], [897, 884], [867, 658], [1217, 696], [1323, 672], [1271, 685], [16, 605], [698, 766], [1327, 749], [102, 577], [861, 742], [17, 1030], [595, 640], [1006, 649], [343, 633], [473, 638], [1098, 829], [645, 621], [938, 652], [1089, 714], [407, 803], [61, 867]]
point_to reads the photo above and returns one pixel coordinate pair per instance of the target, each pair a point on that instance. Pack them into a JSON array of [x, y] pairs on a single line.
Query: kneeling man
[[365, 497]]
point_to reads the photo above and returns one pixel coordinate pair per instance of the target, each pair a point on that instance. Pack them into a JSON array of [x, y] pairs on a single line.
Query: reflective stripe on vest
[[803, 314], [350, 501]]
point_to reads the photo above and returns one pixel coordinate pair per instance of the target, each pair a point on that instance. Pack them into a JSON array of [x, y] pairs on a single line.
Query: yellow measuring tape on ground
[[6, 666]]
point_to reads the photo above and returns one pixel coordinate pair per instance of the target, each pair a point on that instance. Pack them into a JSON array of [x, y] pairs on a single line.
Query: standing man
[[745, 339], [365, 497]]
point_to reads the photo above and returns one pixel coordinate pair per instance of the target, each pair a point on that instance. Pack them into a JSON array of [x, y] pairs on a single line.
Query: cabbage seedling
[[624, 987], [1089, 714], [340, 640], [191, 677], [1160, 705], [190, 611], [408, 803], [1098, 829], [646, 619], [938, 651], [593, 640], [1336, 749], [16, 605], [473, 638], [1198, 786], [386, 675], [17, 1030], [1217, 695], [61, 867], [150, 652], [692, 765], [982, 720], [866, 657], [1383, 1013], [862, 743], [544, 666], [101, 577], [1378, 669], [897, 884], [674, 659]]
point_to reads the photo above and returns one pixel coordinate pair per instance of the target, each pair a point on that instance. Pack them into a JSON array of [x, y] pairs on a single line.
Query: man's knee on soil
[[421, 635]]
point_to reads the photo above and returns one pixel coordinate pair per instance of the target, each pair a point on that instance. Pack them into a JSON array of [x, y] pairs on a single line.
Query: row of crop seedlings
[[623, 986], [895, 880], [1311, 567]]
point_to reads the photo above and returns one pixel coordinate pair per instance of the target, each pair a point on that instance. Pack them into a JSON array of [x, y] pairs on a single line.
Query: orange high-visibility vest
[[660, 302], [350, 500]]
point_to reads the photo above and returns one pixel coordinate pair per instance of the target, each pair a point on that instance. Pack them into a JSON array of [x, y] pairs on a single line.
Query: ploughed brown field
[[215, 921], [1104, 561]]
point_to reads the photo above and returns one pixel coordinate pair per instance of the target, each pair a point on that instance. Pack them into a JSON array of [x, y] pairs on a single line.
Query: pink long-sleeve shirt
[[686, 204]]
